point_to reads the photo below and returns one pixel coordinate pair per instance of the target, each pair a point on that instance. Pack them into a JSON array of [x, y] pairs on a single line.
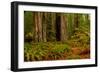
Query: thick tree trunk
[[63, 28], [40, 26], [58, 25]]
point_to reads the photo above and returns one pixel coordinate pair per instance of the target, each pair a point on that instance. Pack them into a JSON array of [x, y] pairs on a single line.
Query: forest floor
[[77, 53], [54, 51]]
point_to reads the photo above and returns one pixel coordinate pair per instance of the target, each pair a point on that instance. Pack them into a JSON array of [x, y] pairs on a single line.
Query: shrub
[[44, 51], [80, 39]]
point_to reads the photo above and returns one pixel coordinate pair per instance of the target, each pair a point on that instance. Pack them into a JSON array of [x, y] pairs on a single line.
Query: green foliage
[[29, 35], [51, 34], [70, 24], [80, 39], [28, 22], [42, 51], [61, 48]]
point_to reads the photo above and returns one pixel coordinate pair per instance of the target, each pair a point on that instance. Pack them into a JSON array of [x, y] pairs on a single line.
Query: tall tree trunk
[[44, 26], [72, 24], [58, 25], [53, 26], [40, 26], [63, 28], [36, 26], [76, 20]]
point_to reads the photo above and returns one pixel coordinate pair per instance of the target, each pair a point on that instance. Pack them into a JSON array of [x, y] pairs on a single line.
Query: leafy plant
[[42, 51]]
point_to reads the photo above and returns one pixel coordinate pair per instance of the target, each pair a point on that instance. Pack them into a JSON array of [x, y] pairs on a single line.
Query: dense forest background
[[56, 36]]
